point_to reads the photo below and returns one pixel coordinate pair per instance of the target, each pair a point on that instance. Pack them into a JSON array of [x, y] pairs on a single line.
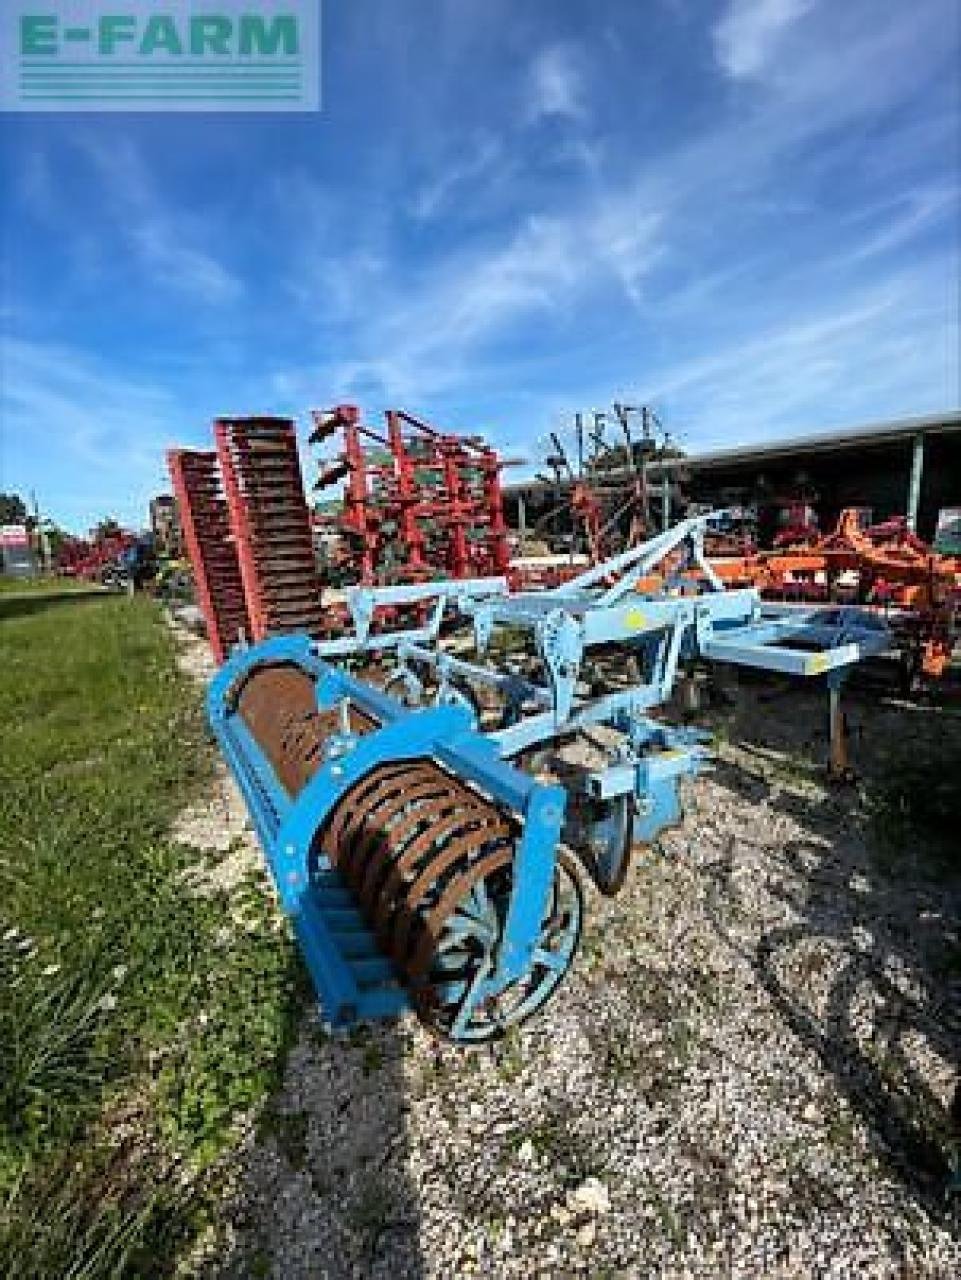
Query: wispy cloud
[[91, 437], [163, 242], [421, 342], [749, 32], [179, 266], [457, 174], [63, 409], [901, 220], [556, 85], [877, 351]]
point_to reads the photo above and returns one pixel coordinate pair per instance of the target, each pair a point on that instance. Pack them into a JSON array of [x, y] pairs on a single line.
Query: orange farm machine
[[885, 566]]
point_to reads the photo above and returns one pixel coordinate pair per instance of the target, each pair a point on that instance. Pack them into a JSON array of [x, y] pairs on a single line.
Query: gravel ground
[[747, 1071]]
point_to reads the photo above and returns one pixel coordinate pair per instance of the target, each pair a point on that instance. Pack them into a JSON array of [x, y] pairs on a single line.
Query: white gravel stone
[[591, 1196]]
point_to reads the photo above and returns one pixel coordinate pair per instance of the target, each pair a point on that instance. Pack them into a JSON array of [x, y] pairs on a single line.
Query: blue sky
[[745, 213]]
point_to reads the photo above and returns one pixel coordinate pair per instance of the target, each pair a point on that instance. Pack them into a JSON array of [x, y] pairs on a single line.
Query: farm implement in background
[[600, 485], [883, 566], [418, 503], [419, 506]]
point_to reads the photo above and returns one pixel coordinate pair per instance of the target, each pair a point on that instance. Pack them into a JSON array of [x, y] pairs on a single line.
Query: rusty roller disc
[[391, 860], [367, 802], [278, 704], [417, 964], [351, 806], [452, 837], [419, 798], [451, 842], [379, 821], [430, 862], [381, 847], [420, 895], [451, 960], [378, 803], [404, 805]]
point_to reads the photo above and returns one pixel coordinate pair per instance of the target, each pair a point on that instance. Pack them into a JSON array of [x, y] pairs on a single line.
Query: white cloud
[[865, 353], [805, 343], [472, 165], [179, 266], [548, 267], [749, 32], [64, 410], [91, 438], [337, 284], [919, 210], [871, 352], [556, 85], [164, 243]]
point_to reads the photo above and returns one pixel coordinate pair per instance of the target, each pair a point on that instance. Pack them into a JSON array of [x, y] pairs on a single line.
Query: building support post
[[521, 523], [914, 484], [665, 499], [839, 763]]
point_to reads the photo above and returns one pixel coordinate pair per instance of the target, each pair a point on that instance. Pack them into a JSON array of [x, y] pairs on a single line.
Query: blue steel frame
[[363, 602], [601, 606], [351, 979]]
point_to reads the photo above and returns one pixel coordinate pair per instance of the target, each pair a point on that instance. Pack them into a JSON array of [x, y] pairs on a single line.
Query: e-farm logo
[[160, 55]]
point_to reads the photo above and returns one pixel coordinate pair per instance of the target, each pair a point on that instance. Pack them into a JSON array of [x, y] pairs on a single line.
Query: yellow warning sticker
[[814, 666], [635, 620]]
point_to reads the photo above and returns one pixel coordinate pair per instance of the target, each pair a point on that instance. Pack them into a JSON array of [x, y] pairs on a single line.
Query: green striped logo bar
[[160, 55]]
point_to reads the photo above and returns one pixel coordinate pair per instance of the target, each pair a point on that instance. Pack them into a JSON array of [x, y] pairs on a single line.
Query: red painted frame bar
[[213, 556]]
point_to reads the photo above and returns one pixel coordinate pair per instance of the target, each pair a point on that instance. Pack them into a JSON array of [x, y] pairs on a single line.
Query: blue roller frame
[[352, 979]]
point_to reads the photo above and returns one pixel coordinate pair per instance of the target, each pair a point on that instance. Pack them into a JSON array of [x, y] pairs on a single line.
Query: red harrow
[[418, 503]]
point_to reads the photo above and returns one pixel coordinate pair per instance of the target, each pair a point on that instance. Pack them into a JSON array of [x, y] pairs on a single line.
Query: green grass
[[130, 1017], [42, 586]]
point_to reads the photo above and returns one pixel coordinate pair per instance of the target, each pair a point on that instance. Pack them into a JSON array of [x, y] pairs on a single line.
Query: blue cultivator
[[420, 866]]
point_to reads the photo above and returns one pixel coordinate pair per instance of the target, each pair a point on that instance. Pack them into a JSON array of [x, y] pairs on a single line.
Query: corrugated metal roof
[[816, 442], [825, 441]]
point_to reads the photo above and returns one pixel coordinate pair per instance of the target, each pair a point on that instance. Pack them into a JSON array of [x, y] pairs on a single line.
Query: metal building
[[911, 466]]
